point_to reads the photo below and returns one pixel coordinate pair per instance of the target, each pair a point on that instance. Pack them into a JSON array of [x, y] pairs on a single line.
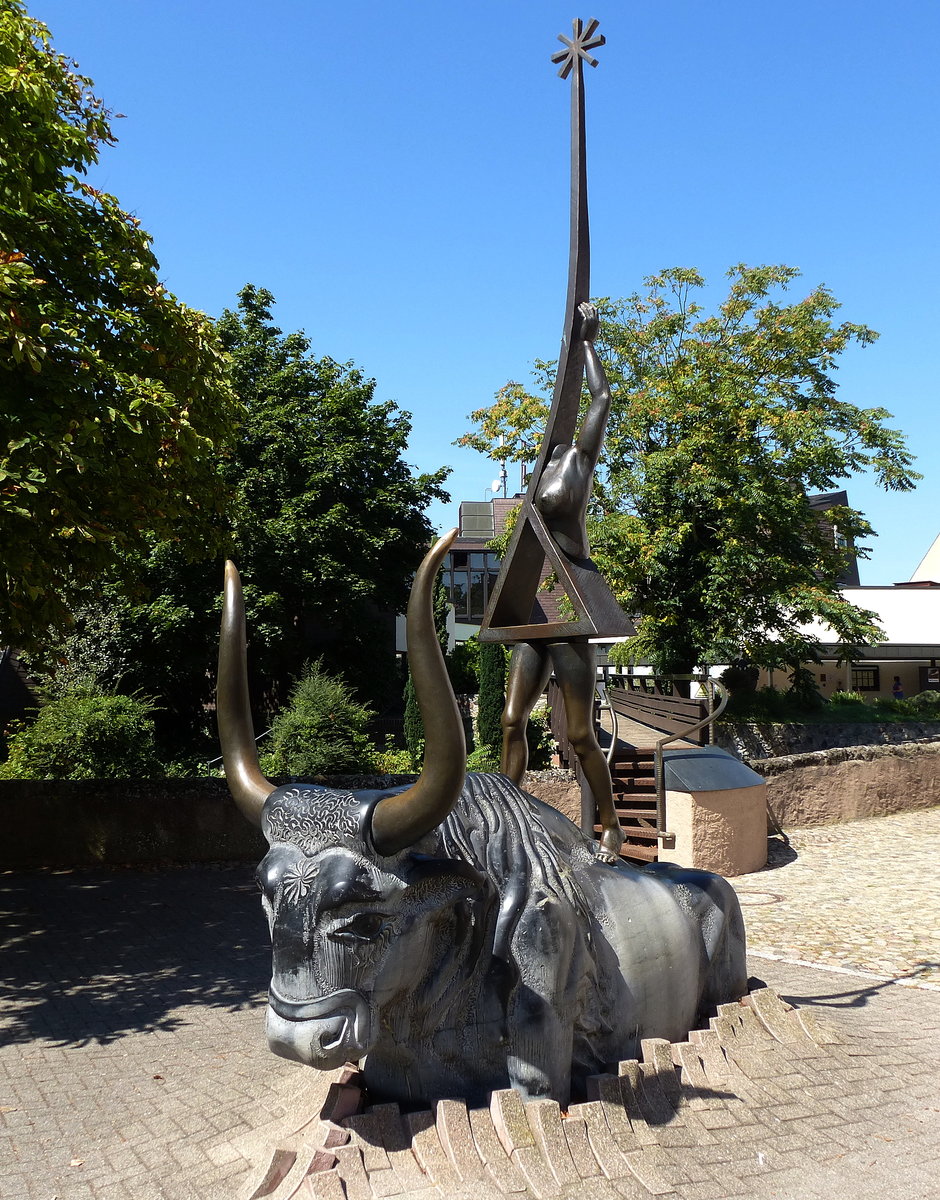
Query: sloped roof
[[928, 570]]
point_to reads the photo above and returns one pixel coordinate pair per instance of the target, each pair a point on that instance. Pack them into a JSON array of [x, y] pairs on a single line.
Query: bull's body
[[498, 951], [459, 935]]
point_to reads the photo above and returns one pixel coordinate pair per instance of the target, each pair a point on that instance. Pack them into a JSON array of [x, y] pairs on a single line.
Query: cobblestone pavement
[[864, 895], [133, 1064]]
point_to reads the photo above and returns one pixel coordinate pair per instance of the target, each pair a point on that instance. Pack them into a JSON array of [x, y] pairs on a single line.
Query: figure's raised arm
[[591, 435]]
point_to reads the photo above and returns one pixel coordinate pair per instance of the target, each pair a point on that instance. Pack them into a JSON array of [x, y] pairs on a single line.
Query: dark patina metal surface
[[535, 538]]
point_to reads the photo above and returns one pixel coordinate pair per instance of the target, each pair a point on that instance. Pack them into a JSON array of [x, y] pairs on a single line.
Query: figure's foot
[[609, 849]]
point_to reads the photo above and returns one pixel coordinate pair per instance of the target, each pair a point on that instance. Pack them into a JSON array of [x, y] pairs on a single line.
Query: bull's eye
[[364, 927]]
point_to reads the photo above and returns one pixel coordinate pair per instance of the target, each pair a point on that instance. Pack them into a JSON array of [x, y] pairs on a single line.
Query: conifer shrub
[[414, 725], [492, 671], [322, 731]]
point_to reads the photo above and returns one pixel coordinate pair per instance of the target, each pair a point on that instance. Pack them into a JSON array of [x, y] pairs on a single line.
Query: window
[[477, 596], [469, 578], [458, 595], [866, 679]]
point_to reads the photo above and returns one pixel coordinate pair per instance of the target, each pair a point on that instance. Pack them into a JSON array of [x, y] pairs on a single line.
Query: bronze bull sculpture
[[459, 935]]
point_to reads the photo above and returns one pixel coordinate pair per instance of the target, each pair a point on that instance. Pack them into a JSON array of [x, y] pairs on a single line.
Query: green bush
[[838, 698], [804, 690], [85, 736], [925, 706], [463, 665], [482, 759], [393, 760], [492, 696], [414, 726], [322, 731], [540, 741], [764, 704]]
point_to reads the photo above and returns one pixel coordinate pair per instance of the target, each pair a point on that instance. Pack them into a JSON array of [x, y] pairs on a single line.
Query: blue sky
[[396, 174]]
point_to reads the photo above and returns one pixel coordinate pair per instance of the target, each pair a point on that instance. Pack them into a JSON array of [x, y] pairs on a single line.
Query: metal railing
[[216, 762], [601, 691]]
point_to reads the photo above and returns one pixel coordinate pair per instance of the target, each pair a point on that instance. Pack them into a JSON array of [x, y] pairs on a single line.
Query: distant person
[[897, 691]]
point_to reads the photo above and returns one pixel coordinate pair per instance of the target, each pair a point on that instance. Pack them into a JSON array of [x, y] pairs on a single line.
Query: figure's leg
[[575, 671], [529, 669]]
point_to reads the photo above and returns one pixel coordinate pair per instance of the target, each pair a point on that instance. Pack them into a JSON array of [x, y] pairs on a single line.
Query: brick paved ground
[[131, 1033], [133, 1064], [878, 910]]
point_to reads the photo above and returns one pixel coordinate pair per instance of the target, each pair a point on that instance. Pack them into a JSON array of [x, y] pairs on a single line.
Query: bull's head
[[343, 878]]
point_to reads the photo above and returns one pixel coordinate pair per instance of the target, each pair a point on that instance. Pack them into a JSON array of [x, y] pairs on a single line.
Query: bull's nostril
[[333, 1034]]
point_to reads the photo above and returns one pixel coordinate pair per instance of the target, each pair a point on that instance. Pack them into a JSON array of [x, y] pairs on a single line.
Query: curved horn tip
[[401, 819]]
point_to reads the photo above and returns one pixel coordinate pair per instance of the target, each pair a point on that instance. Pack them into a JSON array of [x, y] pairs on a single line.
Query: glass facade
[[469, 577]]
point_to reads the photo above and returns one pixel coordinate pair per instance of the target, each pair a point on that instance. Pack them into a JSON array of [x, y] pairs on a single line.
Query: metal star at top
[[585, 38]]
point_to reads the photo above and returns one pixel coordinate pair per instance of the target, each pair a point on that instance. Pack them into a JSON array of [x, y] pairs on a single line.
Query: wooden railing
[[654, 701]]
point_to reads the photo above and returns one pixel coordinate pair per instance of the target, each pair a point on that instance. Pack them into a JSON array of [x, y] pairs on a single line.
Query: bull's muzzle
[[324, 1032]]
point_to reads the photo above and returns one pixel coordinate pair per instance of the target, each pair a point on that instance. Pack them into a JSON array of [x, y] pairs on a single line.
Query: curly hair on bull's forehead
[[311, 817]]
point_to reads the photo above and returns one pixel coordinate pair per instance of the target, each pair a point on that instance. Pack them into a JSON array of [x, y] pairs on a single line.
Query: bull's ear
[[422, 866]]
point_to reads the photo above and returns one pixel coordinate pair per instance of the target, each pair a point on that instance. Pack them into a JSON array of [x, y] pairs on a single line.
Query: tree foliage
[[721, 424], [325, 522], [413, 725], [116, 396], [329, 523], [492, 696]]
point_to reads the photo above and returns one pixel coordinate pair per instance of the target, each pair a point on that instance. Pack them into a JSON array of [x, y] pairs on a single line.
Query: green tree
[[413, 725], [413, 722], [85, 735], [116, 396], [326, 523], [492, 697], [329, 521], [463, 665], [721, 424]]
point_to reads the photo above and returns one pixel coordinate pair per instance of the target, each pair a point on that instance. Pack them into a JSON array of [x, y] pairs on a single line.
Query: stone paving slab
[[863, 895], [133, 1061]]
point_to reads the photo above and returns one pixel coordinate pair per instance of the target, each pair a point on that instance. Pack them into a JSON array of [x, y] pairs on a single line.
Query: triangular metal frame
[[509, 613]]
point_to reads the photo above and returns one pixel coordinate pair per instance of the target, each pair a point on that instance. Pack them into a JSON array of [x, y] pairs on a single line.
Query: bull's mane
[[498, 828]]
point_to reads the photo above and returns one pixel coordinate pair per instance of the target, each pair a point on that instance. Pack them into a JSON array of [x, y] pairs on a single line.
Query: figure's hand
[[589, 322]]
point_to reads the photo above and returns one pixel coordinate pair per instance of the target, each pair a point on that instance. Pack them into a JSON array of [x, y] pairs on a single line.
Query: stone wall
[[68, 823], [850, 782], [753, 741], [88, 822], [559, 788]]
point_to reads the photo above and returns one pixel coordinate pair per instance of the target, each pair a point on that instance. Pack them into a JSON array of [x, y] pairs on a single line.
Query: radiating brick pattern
[[761, 1095]]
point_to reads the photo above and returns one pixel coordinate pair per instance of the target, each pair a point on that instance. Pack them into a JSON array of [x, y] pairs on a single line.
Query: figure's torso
[[562, 498]]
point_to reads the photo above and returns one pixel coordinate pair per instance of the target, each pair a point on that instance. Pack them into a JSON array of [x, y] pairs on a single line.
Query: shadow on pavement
[[779, 854], [857, 997], [89, 956]]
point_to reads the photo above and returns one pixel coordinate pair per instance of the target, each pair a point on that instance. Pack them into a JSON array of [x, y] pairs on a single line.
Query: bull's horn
[[248, 786], [401, 820]]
